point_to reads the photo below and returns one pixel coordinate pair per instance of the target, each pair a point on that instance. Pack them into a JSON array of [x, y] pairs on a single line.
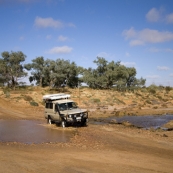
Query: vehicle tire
[[49, 120], [84, 123], [63, 124]]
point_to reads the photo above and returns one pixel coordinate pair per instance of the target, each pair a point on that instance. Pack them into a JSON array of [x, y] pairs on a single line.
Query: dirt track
[[96, 148]]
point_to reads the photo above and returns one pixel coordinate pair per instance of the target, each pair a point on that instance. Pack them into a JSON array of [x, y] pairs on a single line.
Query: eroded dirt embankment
[[95, 148], [10, 110]]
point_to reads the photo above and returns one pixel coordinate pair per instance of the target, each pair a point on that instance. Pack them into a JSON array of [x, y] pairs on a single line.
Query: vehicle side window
[[49, 105]]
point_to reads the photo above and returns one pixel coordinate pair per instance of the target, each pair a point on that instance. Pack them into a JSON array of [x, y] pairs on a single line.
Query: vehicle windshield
[[67, 106]]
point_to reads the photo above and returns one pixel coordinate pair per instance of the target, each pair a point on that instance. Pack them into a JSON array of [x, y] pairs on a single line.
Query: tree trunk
[[41, 81], [13, 83]]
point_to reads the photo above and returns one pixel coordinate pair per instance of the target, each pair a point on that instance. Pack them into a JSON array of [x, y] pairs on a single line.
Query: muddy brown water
[[28, 132]]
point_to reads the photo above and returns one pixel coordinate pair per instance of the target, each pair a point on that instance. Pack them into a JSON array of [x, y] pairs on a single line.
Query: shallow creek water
[[147, 121], [28, 132]]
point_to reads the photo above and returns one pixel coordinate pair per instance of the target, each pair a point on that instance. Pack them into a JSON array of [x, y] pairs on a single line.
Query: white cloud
[[47, 22], [48, 36], [152, 76], [171, 75], [146, 36], [51, 23], [136, 43], [157, 15], [154, 36], [163, 68], [62, 38], [128, 64], [131, 33], [169, 18], [60, 50], [153, 15]]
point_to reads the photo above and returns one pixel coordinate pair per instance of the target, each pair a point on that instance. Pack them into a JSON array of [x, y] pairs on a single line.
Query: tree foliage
[[53, 73], [11, 68], [109, 74], [38, 66], [60, 72]]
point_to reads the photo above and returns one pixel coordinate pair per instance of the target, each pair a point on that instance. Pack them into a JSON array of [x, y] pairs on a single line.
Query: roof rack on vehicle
[[56, 96]]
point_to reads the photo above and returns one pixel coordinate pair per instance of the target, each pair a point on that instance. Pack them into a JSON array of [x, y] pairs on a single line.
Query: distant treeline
[[59, 73]]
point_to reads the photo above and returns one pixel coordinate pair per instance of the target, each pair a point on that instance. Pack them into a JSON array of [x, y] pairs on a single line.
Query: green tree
[[62, 72], [109, 74], [11, 68], [105, 75], [53, 73], [130, 79], [37, 68]]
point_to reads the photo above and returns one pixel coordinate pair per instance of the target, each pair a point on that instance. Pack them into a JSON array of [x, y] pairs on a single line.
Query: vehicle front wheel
[[84, 123], [49, 121], [63, 124]]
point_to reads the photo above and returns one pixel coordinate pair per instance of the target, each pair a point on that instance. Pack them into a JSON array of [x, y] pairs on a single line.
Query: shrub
[[33, 103], [7, 94], [148, 101], [161, 87], [164, 105], [96, 100], [159, 97], [152, 91], [111, 104], [168, 88], [138, 94], [165, 99], [144, 90], [27, 98], [155, 107], [85, 103], [119, 101]]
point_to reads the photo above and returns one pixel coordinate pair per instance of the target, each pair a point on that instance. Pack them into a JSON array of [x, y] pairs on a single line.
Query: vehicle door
[[55, 113]]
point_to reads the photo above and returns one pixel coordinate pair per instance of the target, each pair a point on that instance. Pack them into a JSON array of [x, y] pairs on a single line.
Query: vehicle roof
[[62, 101]]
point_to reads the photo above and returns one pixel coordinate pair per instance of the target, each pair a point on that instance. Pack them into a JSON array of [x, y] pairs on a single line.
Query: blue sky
[[139, 33]]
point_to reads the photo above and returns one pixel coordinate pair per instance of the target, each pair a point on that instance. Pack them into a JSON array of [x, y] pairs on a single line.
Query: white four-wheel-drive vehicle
[[59, 108]]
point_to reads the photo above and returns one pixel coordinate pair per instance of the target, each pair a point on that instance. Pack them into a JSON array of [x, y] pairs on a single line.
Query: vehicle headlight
[[69, 116], [85, 114]]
